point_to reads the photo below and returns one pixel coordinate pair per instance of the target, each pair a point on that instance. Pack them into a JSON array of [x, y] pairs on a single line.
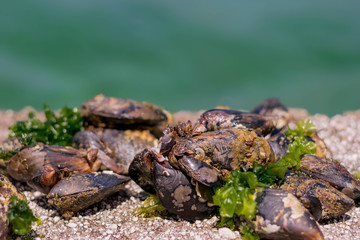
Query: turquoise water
[[181, 55]]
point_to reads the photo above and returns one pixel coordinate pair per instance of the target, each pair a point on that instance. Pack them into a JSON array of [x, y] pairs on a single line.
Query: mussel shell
[[68, 158], [141, 170], [228, 149], [273, 107], [117, 148], [26, 164], [126, 144], [29, 162], [84, 189], [279, 144], [200, 171], [91, 140], [178, 195], [216, 119], [119, 113], [331, 172], [319, 197], [281, 216], [45, 178], [87, 139]]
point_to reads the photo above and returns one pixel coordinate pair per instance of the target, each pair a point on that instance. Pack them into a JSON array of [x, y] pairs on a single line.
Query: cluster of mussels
[[181, 163]]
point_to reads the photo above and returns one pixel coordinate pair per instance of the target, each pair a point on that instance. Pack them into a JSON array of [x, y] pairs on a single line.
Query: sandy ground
[[113, 218]]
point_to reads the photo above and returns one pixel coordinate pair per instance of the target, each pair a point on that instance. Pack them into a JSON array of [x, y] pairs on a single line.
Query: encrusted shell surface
[[281, 216]]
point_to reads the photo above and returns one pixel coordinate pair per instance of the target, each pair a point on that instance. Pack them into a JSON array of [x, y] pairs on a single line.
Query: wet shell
[[216, 119], [273, 107], [281, 216], [25, 165], [44, 165], [333, 173], [117, 148], [124, 145], [84, 189], [118, 113], [141, 170], [319, 197], [225, 149], [178, 195]]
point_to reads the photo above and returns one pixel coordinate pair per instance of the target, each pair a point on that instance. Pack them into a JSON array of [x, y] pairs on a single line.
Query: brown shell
[[28, 162], [117, 148], [126, 144], [333, 173], [225, 149], [44, 165], [273, 107], [281, 216], [84, 189], [119, 113], [319, 197]]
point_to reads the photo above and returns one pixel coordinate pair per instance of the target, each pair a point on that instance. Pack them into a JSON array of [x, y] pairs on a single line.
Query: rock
[[227, 233]]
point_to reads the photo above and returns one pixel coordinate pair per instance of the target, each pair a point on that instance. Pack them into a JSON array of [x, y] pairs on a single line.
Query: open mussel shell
[[282, 216], [45, 178], [42, 166], [124, 145], [24, 165], [91, 140], [84, 189]]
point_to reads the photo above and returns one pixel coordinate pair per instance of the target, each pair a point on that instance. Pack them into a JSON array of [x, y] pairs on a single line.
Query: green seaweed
[[6, 155], [304, 128], [357, 175], [151, 207], [56, 130], [236, 199], [297, 148], [20, 216]]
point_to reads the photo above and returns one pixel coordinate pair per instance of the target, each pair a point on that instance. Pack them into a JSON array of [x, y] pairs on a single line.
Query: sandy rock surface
[[114, 218]]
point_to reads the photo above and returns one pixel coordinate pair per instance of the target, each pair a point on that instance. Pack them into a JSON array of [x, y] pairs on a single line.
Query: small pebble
[[37, 194], [72, 225], [227, 233]]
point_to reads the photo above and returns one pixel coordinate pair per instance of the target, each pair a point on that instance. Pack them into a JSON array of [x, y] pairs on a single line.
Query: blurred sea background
[[181, 55]]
